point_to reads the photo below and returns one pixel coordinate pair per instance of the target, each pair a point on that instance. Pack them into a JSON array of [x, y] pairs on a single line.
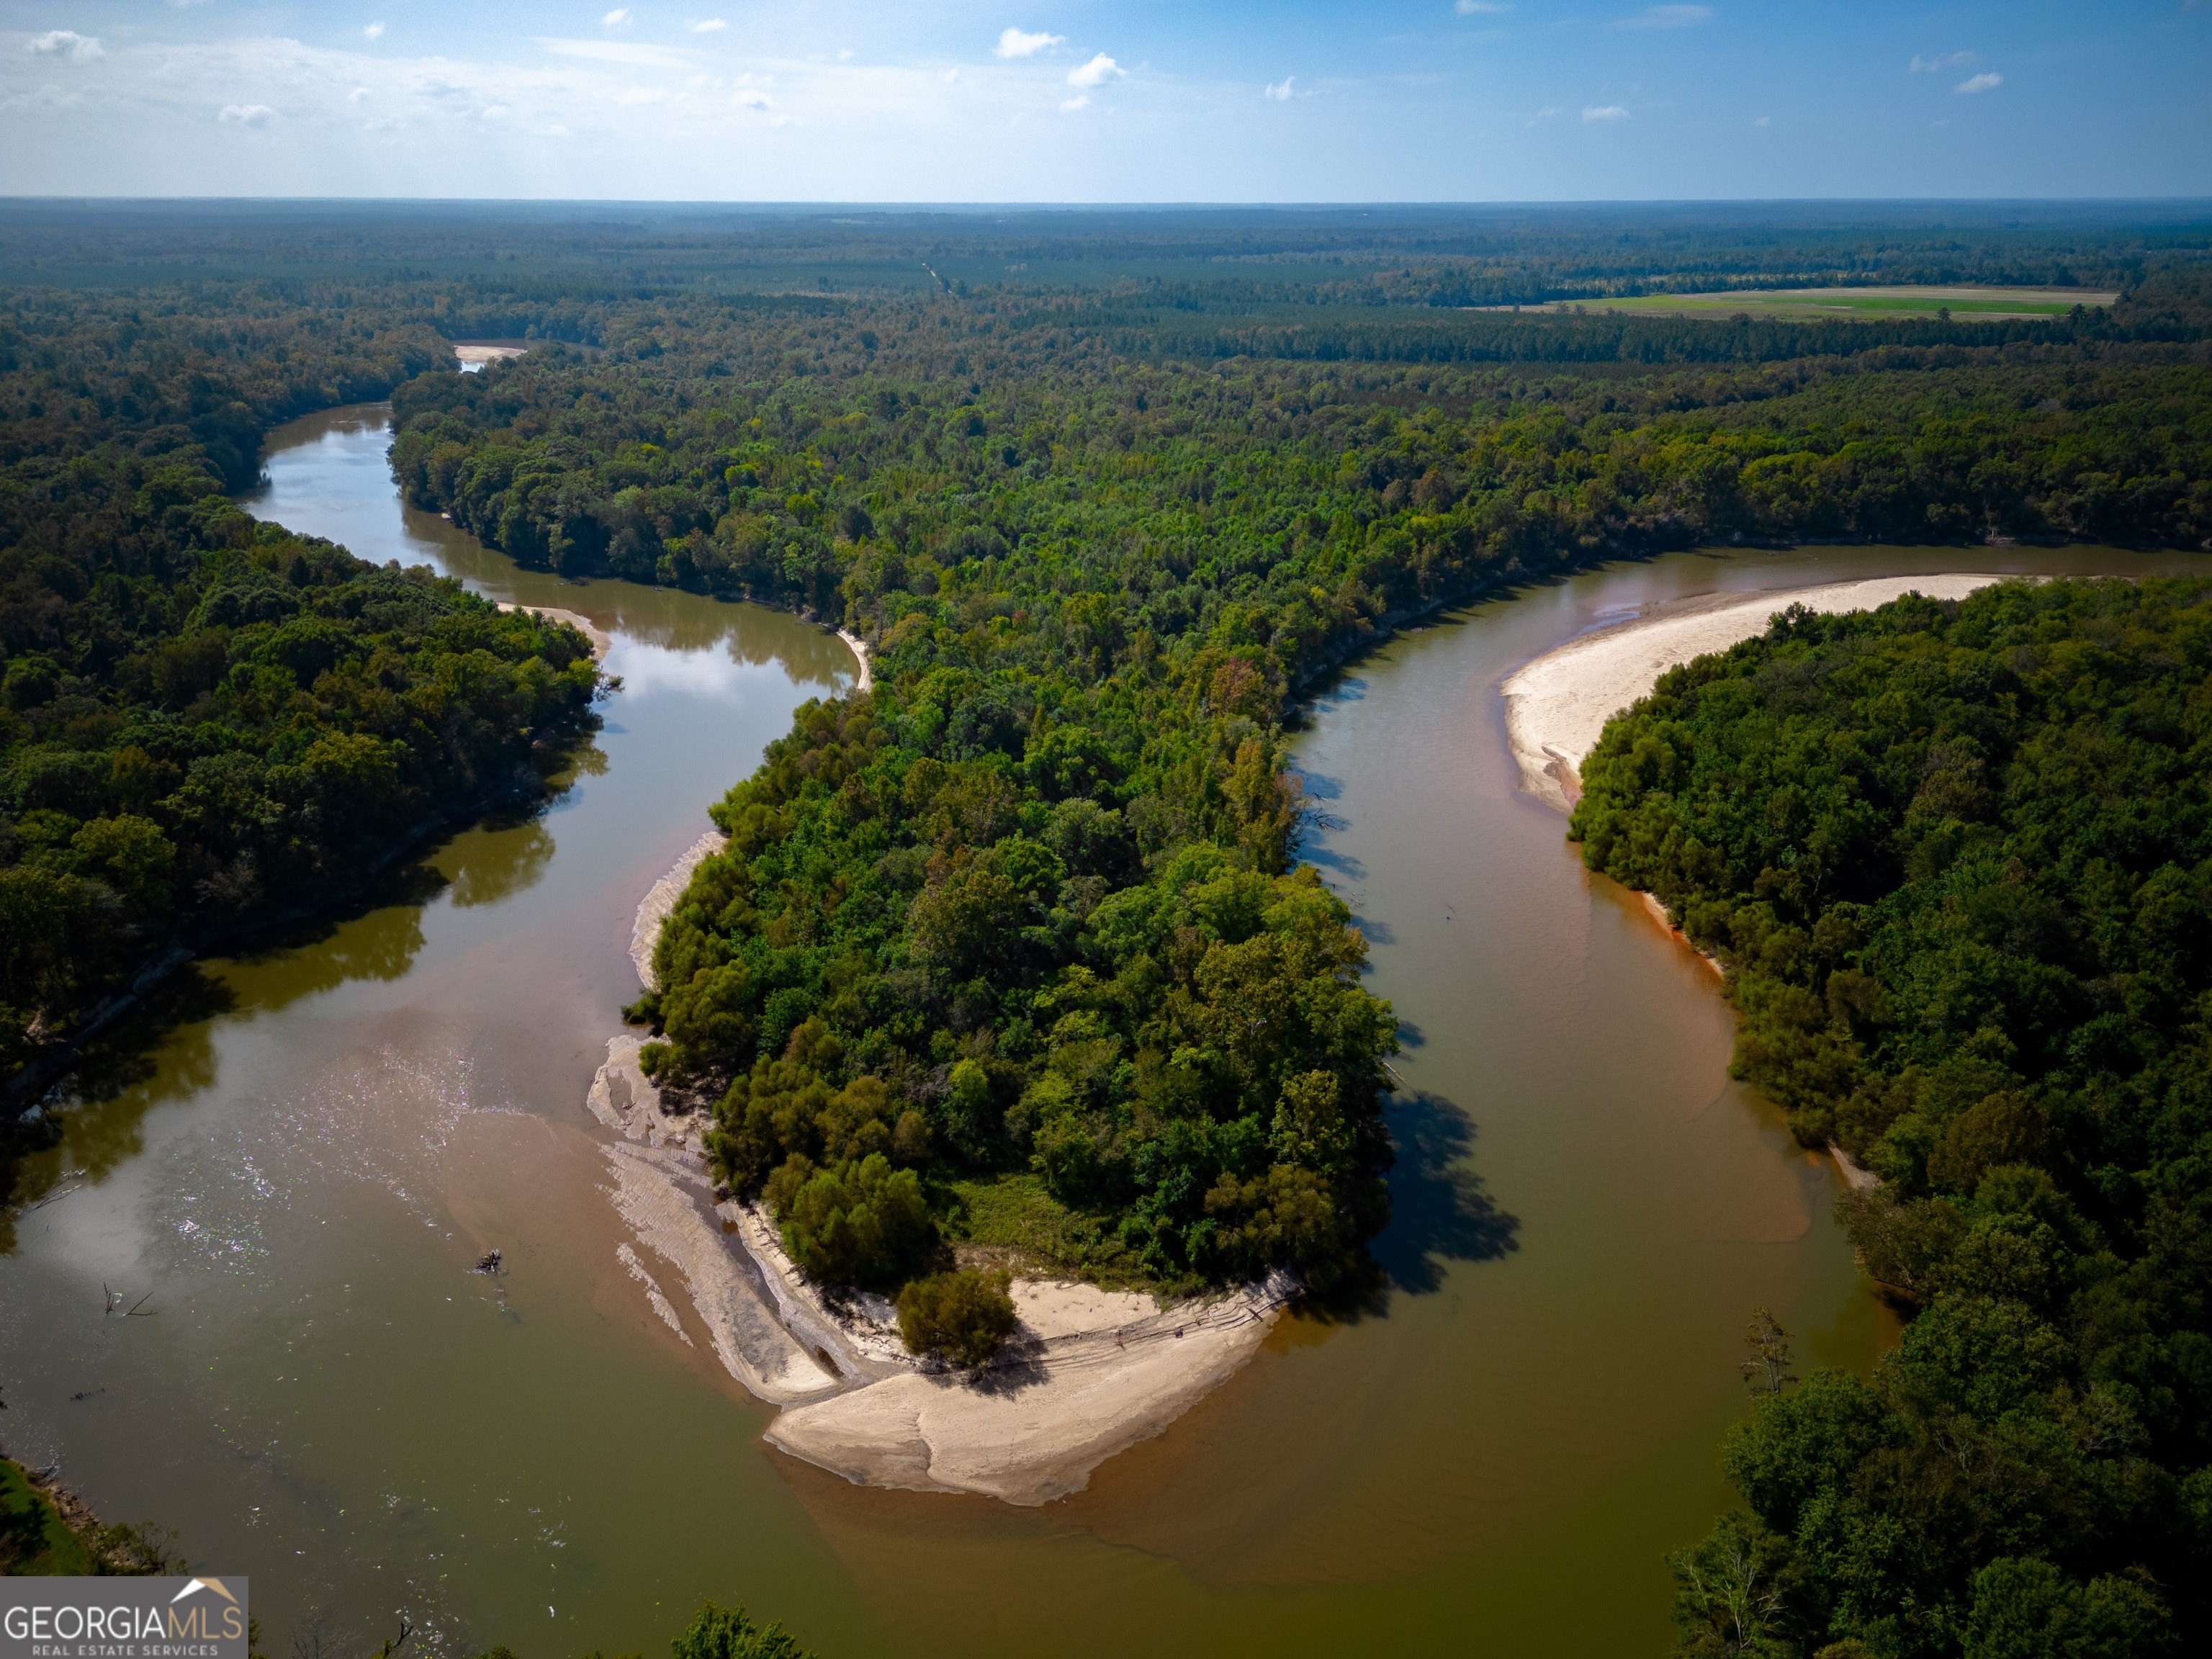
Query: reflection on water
[[334, 480], [501, 863], [1489, 1455], [296, 1156]]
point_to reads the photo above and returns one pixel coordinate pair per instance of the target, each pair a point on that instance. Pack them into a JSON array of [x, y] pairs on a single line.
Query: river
[[299, 1171]]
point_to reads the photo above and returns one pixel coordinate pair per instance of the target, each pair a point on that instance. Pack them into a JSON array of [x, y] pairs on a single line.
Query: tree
[[962, 1317], [719, 1632], [861, 1222], [1765, 1366], [1733, 1593]]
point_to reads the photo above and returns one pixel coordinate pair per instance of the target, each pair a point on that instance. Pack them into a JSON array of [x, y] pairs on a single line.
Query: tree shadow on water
[[91, 1122], [1439, 1212]]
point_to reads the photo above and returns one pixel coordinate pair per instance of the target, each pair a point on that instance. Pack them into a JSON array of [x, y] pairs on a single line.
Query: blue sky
[[1164, 100]]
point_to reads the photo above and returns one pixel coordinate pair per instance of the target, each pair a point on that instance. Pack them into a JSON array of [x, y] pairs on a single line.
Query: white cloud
[[1095, 73], [247, 115], [1280, 90], [615, 19], [1604, 112], [951, 76], [708, 26], [1985, 82], [372, 32], [1015, 43], [636, 96], [617, 52], [1667, 18], [496, 112], [358, 93], [1763, 121], [1081, 101], [1481, 7], [1939, 62], [68, 43], [46, 97]]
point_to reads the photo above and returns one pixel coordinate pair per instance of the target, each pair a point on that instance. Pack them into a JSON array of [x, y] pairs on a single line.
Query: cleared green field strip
[[1962, 301]]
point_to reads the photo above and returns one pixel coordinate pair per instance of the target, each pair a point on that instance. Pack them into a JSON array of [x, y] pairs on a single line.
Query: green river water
[[319, 1395]]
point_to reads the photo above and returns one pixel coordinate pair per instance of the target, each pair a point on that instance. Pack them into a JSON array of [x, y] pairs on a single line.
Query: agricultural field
[[1960, 301]]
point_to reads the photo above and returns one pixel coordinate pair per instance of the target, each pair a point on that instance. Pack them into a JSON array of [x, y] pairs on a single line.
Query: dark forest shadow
[[92, 1122], [1439, 1213]]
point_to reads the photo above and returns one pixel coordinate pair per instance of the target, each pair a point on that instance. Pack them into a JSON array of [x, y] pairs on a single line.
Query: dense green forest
[[207, 722], [991, 926], [1958, 858], [1016, 950]]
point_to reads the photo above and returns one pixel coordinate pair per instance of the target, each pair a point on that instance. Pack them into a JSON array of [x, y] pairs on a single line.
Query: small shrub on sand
[[961, 1316]]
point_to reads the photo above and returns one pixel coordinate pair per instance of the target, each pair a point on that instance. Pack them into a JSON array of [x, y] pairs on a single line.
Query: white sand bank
[[660, 898], [1557, 705], [859, 649], [476, 356], [601, 643], [661, 1188], [1088, 1372], [662, 1305]]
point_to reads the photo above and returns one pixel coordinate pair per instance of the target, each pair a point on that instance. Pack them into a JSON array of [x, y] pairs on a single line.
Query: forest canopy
[[973, 965], [1016, 950], [1957, 858], [207, 722]]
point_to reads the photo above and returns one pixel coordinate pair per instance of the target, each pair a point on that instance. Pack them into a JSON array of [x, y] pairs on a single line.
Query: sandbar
[[660, 898], [601, 642], [474, 355], [1087, 1373], [859, 647], [1557, 705]]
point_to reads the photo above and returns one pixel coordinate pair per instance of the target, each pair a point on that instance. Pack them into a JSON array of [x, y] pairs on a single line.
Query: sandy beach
[[859, 649], [1088, 1372], [601, 644], [475, 357], [1557, 705], [660, 898]]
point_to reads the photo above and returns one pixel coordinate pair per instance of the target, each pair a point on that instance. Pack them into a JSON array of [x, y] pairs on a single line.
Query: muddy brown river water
[[319, 1393]]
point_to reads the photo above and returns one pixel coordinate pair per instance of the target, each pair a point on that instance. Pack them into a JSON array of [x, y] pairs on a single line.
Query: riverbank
[[859, 647], [47, 1531], [1087, 1374], [1557, 705], [601, 641]]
